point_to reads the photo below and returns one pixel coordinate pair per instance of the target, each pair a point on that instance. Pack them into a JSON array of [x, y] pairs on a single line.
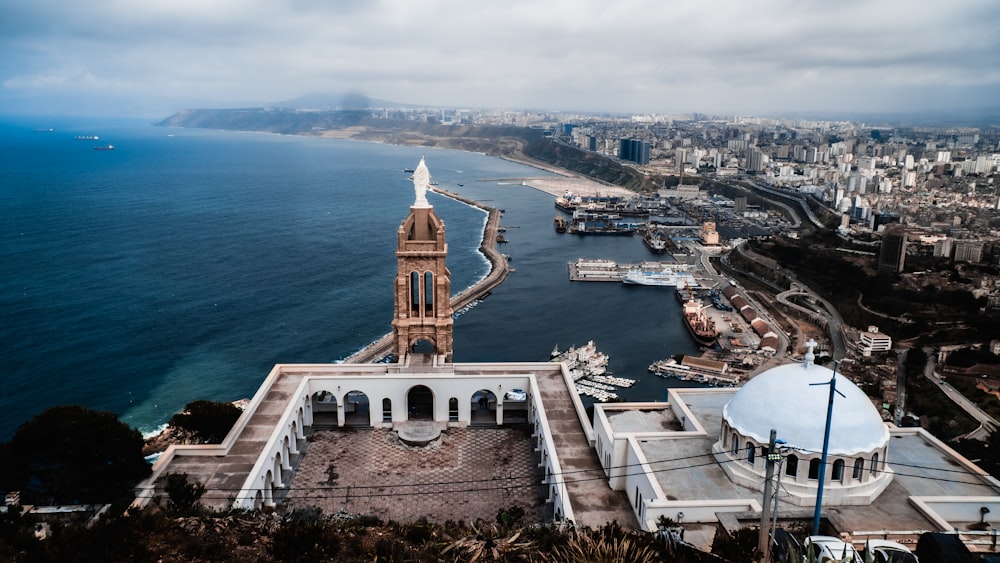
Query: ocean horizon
[[185, 263]]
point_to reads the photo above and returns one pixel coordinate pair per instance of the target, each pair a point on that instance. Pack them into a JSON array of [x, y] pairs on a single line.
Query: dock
[[596, 269]]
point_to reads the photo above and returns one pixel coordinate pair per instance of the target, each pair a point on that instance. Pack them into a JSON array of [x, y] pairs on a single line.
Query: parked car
[[828, 549], [885, 551], [515, 395], [785, 548]]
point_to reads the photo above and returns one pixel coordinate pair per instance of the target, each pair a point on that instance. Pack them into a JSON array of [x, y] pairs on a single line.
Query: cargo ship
[[599, 224], [560, 224], [701, 327]]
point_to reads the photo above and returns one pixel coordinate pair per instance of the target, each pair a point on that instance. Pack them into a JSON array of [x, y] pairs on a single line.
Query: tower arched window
[[735, 445], [429, 290], [859, 467], [751, 453], [414, 290], [874, 467]]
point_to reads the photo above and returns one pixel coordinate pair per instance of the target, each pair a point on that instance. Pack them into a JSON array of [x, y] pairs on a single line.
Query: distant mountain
[[331, 101]]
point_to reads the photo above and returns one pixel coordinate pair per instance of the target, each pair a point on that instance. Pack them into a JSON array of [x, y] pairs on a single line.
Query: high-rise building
[[634, 150], [968, 251], [892, 253]]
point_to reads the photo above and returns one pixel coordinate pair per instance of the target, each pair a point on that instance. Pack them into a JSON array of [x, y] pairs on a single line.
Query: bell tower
[[422, 322]]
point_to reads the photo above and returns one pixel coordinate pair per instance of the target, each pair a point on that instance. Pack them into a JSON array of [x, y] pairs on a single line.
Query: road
[[987, 424]]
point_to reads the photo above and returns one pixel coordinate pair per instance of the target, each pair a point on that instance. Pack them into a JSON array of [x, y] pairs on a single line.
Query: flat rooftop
[[686, 469]]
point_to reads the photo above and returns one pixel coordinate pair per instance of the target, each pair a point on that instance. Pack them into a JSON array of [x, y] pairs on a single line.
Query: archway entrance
[[356, 409], [484, 407], [420, 403], [324, 406]]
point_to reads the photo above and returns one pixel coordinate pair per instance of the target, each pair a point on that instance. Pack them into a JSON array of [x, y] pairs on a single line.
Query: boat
[[104, 148], [671, 276], [700, 325], [408, 170], [560, 224], [585, 223], [87, 138]]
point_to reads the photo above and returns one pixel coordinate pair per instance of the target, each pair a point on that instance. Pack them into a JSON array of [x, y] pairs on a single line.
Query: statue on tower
[[421, 179]]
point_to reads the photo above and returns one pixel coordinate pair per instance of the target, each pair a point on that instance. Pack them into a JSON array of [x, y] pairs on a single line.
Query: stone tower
[[423, 315]]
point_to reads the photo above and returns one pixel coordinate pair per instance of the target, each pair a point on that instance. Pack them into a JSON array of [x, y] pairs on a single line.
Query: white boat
[[669, 276]]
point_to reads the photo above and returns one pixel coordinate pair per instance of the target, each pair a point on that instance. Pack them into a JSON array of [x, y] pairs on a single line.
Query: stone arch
[[423, 345], [268, 499], [420, 403], [324, 408], [484, 407], [286, 452], [356, 409], [278, 466], [258, 500], [453, 409]]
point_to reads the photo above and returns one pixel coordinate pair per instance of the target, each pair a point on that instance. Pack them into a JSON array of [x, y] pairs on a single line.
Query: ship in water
[[585, 223], [700, 325], [670, 275], [656, 241], [560, 224]]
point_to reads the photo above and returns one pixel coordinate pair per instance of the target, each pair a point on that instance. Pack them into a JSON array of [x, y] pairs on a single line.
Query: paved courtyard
[[466, 474]]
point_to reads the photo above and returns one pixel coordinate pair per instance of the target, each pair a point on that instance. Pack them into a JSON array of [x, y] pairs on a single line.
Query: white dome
[[783, 398]]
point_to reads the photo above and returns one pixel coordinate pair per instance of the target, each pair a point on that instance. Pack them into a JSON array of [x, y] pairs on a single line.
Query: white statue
[[421, 179]]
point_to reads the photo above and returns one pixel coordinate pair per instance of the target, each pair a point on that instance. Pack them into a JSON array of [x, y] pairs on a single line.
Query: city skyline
[[761, 58]]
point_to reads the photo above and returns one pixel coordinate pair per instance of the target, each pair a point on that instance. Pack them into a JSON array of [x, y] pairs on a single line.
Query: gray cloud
[[628, 55]]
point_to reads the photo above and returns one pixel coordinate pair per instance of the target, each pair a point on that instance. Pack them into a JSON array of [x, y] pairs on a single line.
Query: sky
[[734, 57]]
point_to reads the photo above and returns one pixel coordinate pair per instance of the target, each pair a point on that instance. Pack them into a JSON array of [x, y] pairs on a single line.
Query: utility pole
[[764, 541], [826, 446]]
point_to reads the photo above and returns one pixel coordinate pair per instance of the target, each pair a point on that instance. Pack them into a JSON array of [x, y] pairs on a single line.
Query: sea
[[184, 263]]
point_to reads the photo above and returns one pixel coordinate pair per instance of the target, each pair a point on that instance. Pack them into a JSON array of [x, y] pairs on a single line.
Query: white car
[[515, 395], [885, 551], [828, 549]]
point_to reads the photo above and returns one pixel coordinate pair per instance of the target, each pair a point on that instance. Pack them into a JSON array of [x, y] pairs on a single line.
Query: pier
[[600, 270], [499, 268]]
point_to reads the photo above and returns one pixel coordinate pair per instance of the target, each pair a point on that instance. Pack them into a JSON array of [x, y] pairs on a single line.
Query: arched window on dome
[[814, 469], [838, 470], [874, 467], [792, 465], [751, 453], [859, 467], [735, 445]]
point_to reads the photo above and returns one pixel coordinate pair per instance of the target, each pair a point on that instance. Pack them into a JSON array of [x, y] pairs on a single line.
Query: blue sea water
[[183, 264]]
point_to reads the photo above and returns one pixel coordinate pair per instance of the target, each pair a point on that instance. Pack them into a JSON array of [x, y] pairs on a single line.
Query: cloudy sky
[[154, 57]]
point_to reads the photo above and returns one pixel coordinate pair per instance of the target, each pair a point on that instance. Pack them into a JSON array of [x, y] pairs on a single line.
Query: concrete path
[[594, 503]]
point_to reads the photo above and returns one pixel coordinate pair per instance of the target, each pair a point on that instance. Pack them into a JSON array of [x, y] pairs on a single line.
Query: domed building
[[793, 399]]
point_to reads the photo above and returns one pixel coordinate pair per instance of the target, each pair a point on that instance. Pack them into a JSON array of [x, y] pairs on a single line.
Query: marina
[[588, 368]]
